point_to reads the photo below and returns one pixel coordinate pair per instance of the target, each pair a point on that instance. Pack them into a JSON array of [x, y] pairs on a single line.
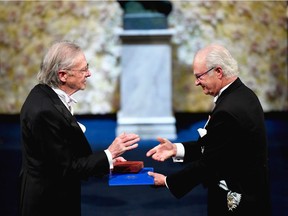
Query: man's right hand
[[124, 142], [163, 151]]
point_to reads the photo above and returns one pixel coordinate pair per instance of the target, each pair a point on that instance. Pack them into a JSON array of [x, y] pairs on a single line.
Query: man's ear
[[219, 72], [62, 75]]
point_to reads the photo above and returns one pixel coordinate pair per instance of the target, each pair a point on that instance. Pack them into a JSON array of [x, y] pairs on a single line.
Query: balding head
[[214, 68], [215, 55]]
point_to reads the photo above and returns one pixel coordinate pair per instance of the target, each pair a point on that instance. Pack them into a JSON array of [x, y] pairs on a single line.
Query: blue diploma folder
[[140, 178]]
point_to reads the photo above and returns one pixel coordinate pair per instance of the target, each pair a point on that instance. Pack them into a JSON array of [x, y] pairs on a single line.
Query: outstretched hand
[[163, 151], [124, 142]]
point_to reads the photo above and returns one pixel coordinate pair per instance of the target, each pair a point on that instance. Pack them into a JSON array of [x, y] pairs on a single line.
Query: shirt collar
[[65, 98], [220, 92]]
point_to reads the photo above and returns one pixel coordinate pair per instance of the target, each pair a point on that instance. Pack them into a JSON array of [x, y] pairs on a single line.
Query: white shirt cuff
[[179, 153], [110, 159], [166, 182]]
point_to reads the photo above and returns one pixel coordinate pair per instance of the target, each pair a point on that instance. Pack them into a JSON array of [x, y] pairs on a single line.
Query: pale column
[[146, 84]]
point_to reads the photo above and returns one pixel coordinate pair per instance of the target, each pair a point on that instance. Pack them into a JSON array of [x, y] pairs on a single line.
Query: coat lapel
[[233, 86], [60, 106]]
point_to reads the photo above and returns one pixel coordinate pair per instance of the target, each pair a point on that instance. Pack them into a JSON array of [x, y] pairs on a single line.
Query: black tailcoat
[[235, 150], [56, 156]]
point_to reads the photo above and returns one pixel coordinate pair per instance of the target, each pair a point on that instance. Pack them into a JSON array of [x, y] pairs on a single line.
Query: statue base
[[145, 21]]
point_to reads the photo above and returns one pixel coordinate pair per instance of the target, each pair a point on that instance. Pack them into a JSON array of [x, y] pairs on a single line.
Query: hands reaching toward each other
[[163, 151], [124, 142]]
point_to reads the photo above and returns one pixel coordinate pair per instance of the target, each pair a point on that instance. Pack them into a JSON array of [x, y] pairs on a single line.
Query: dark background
[[98, 198]]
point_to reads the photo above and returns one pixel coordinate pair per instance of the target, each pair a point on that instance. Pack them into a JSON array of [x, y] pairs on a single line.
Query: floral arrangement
[[255, 32]]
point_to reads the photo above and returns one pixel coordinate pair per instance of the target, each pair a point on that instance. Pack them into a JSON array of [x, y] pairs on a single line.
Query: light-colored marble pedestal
[[145, 84]]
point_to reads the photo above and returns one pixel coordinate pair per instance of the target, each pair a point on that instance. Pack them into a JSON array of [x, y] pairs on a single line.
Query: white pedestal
[[146, 85]]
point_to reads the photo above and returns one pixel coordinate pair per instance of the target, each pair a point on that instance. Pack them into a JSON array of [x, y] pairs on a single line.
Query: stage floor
[[98, 198]]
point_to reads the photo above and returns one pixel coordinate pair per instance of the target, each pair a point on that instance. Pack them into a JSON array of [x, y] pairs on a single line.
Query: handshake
[[125, 142]]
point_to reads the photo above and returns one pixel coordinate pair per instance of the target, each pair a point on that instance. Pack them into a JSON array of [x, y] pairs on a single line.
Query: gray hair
[[60, 56], [219, 56]]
